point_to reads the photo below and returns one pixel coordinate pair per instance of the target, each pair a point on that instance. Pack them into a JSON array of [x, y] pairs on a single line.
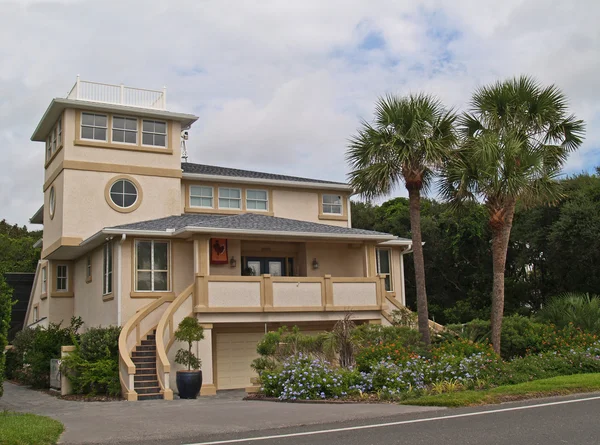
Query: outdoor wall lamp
[[232, 262], [315, 263]]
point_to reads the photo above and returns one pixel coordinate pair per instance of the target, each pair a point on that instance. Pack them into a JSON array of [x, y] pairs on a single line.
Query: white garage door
[[235, 352]]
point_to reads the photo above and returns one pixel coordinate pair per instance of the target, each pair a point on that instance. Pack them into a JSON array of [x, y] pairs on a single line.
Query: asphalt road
[[565, 420]]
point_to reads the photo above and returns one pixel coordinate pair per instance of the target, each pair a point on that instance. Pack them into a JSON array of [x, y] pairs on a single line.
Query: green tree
[[410, 137], [189, 331], [5, 317], [16, 245], [515, 140]]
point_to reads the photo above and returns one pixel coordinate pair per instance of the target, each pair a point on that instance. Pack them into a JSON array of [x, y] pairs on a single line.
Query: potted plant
[[190, 381]]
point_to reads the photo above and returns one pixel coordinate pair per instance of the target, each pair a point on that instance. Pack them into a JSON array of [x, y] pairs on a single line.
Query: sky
[[280, 86]]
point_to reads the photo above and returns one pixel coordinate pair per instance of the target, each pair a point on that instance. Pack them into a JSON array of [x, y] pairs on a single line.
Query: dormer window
[[94, 126], [154, 133], [332, 204], [124, 129]]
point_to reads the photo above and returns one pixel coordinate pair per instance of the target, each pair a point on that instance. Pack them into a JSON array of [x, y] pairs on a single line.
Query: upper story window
[[61, 278], [124, 129], [52, 202], [152, 265], [257, 200], [230, 198], [54, 140], [44, 280], [35, 313], [59, 132], [123, 193], [154, 133], [384, 267], [94, 126], [201, 196], [107, 269], [88, 269], [332, 204]]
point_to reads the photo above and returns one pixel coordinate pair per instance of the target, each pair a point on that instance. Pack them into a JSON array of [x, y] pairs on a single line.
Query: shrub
[[460, 347], [189, 331], [372, 334], [383, 352], [36, 347], [5, 317], [580, 310], [93, 368]]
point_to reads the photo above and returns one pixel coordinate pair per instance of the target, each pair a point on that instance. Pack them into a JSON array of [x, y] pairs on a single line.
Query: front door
[[259, 266]]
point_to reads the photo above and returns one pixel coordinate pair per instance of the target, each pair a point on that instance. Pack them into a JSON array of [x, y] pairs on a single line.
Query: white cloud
[[280, 85]]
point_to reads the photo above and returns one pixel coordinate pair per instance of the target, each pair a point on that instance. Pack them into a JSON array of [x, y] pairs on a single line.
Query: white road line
[[404, 422]]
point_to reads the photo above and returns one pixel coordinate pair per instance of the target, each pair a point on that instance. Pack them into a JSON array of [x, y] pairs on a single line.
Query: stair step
[[151, 337], [146, 371], [149, 343], [151, 390], [144, 377], [146, 348], [143, 353], [145, 384], [148, 359], [155, 396]]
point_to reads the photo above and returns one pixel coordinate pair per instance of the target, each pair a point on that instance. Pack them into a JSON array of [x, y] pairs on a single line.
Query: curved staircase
[[145, 381]]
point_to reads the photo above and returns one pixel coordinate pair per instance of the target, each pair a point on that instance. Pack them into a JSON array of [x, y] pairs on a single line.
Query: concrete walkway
[[122, 422]]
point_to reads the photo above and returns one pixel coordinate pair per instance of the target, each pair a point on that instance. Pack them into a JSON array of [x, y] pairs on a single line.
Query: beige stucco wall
[[88, 211], [335, 259], [88, 300], [53, 227], [182, 265], [302, 205], [398, 275], [61, 310], [234, 251]]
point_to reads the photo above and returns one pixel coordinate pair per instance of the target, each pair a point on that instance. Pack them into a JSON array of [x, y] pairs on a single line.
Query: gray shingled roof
[[245, 221], [234, 172]]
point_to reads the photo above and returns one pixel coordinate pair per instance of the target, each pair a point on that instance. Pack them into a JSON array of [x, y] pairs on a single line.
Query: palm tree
[[514, 142], [409, 138]]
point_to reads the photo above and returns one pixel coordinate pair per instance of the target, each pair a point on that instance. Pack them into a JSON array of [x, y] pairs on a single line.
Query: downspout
[[119, 279]]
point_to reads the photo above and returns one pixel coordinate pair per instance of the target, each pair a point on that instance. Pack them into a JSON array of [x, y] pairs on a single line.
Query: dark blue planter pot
[[189, 384]]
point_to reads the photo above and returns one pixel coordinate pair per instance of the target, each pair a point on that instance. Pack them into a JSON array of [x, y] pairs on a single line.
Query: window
[[88, 269], [332, 204], [257, 200], [59, 132], [384, 267], [52, 202], [230, 198], [44, 280], [35, 314], [154, 133], [124, 129], [94, 126], [107, 269], [48, 149], [152, 266], [123, 193], [61, 278], [201, 196]]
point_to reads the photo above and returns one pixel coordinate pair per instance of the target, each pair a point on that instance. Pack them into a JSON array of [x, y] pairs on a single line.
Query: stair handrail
[[126, 365], [163, 366], [436, 327]]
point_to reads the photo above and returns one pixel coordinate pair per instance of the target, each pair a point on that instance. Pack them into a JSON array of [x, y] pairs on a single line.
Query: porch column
[[205, 353], [201, 270], [370, 261]]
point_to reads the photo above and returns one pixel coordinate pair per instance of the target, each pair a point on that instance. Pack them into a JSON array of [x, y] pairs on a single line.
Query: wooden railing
[[138, 326], [181, 307], [268, 293], [435, 327]]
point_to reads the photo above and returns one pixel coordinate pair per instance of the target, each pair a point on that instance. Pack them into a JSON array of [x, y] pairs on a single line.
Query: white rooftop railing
[[118, 94]]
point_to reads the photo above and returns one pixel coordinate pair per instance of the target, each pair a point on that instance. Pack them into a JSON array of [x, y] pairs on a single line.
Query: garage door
[[235, 352]]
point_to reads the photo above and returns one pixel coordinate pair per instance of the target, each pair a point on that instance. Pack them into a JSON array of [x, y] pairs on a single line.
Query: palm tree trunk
[[500, 238], [414, 197]]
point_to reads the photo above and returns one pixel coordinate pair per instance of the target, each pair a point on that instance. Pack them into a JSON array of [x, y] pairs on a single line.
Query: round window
[[52, 202], [123, 193]]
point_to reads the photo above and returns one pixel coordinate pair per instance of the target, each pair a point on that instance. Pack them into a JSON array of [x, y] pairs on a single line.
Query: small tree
[[189, 331], [5, 316]]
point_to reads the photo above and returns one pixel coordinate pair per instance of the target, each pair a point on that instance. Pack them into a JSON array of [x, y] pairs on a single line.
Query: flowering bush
[[461, 348], [305, 378], [383, 352]]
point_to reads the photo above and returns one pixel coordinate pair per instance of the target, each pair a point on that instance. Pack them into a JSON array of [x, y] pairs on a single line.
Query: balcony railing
[[267, 293], [118, 94]]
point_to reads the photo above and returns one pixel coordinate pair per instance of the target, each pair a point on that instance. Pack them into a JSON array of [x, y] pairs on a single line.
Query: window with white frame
[[154, 133], [384, 267], [124, 129], [257, 200], [59, 132], [332, 204], [230, 198], [48, 149], [107, 269], [201, 196], [88, 269], [94, 126], [62, 278], [35, 314], [44, 280], [152, 265]]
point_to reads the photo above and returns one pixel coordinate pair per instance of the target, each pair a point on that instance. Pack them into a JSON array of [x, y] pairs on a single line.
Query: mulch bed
[[82, 397]]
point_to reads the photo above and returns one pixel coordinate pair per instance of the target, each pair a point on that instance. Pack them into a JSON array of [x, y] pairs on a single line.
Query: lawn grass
[[562, 385], [28, 429]]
